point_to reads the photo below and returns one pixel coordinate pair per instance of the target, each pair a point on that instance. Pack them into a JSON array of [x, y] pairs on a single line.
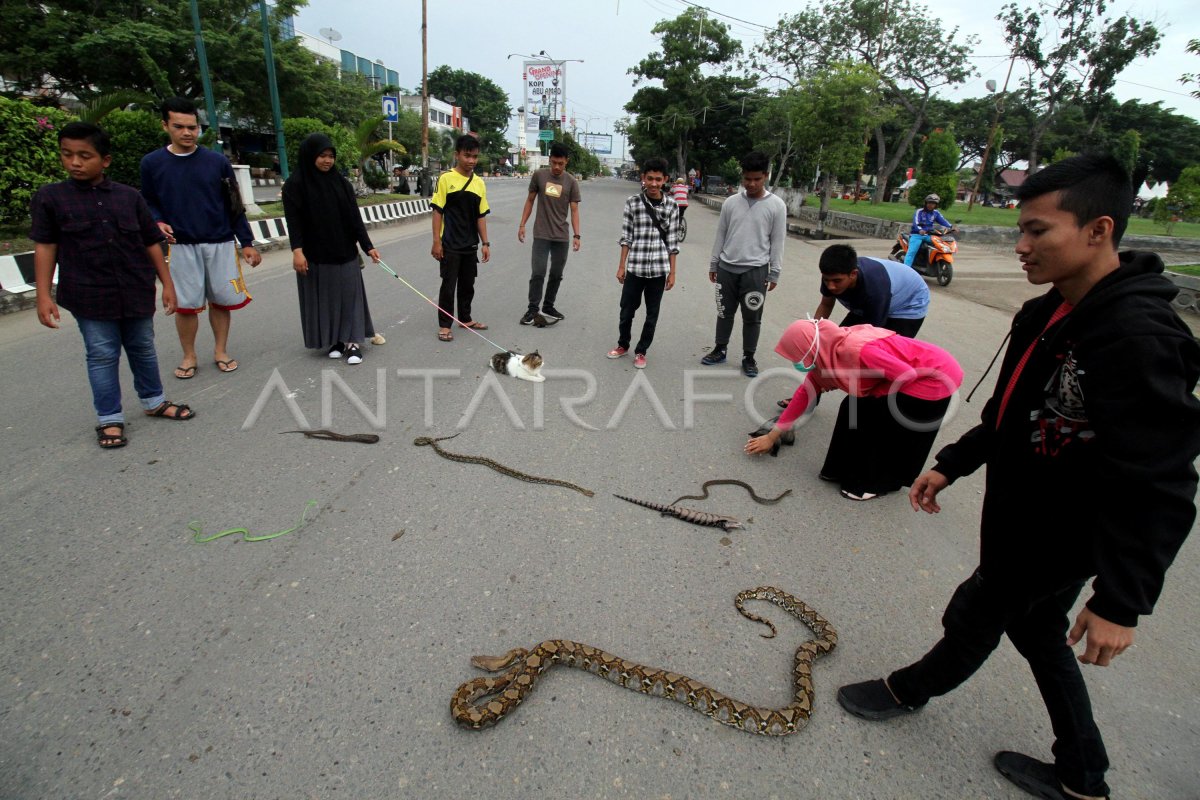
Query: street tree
[[834, 109], [686, 79], [62, 47], [1073, 54], [1193, 79], [483, 102], [938, 173], [909, 49]]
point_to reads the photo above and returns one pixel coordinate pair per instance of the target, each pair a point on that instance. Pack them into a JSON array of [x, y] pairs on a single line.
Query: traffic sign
[[391, 109], [546, 136]]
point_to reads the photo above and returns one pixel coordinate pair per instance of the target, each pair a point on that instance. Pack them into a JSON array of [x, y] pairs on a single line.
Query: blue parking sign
[[391, 109]]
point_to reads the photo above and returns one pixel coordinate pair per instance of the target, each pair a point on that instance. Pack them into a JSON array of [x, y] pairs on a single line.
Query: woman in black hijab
[[324, 226]]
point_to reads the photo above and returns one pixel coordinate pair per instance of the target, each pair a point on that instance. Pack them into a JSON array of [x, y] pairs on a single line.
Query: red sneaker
[[617, 352]]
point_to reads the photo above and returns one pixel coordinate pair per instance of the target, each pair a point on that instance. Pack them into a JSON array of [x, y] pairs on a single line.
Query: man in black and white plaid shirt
[[649, 245]]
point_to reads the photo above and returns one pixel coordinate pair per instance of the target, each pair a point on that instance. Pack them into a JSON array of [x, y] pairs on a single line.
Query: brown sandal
[[182, 413], [478, 326], [111, 441], [445, 335]]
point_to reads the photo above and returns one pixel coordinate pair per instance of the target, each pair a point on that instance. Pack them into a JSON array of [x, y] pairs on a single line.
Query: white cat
[[527, 368]]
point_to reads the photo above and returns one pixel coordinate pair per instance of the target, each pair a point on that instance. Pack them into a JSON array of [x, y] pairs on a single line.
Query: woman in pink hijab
[[898, 390]]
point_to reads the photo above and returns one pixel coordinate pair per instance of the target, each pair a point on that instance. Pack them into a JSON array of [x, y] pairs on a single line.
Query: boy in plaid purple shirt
[[649, 245], [106, 246]]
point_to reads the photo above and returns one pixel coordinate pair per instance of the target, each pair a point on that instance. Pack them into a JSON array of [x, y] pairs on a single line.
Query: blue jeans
[[102, 341], [914, 244]]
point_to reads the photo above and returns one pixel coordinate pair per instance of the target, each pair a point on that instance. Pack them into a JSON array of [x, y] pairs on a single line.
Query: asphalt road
[[136, 663]]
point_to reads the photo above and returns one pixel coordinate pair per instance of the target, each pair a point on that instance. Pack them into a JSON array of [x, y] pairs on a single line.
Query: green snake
[[766, 501], [365, 438], [423, 441], [482, 702]]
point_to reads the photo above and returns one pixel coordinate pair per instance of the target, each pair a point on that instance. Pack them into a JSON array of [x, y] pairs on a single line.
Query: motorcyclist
[[923, 221]]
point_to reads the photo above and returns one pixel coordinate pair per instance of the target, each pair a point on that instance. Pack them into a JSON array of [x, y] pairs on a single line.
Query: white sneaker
[[335, 351], [353, 354]]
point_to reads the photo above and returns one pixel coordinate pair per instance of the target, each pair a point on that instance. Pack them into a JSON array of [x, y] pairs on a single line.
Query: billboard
[[545, 92], [599, 143]]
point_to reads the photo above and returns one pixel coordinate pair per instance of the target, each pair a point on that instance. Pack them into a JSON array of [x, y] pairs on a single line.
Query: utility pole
[[424, 93], [210, 107], [987, 151], [269, 54]]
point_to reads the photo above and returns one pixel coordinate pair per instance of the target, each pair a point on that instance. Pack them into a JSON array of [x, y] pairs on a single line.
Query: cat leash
[[393, 273]]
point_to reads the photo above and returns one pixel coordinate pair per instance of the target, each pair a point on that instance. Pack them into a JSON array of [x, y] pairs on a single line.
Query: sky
[[610, 36]]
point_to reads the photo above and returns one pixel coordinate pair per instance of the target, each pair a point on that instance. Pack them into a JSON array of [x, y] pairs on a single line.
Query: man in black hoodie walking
[[1089, 439]]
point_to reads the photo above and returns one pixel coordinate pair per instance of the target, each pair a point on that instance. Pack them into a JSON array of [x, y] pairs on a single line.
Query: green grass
[[15, 239], [1185, 269], [1000, 217]]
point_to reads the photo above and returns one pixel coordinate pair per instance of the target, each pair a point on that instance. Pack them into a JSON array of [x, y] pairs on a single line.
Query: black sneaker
[[717, 356], [551, 311], [750, 367], [1036, 777], [353, 354], [529, 317], [872, 700], [336, 350]]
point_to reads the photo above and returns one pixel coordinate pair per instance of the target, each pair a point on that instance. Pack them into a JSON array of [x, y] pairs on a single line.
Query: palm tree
[[368, 145]]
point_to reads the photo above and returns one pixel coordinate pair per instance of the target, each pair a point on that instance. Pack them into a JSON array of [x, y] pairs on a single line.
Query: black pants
[[744, 290], [682, 210], [977, 616], [632, 292], [458, 278], [904, 327], [886, 446], [556, 252]]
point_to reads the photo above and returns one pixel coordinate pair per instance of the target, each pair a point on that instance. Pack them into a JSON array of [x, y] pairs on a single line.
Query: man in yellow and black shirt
[[460, 209]]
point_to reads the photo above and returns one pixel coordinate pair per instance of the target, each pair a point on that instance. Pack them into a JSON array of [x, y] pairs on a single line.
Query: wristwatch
[[487, 244], [576, 236]]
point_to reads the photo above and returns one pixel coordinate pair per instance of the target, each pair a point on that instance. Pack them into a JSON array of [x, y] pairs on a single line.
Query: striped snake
[[765, 501], [524, 667], [422, 441], [365, 438]]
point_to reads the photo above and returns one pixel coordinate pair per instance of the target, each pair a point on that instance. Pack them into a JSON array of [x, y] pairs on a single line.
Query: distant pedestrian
[[922, 225], [679, 193], [324, 225], [876, 291], [1090, 439], [188, 190], [649, 245], [556, 192], [747, 257], [460, 210], [106, 246]]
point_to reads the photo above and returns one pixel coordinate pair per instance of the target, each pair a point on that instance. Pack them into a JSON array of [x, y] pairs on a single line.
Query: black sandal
[[110, 441], [182, 412]]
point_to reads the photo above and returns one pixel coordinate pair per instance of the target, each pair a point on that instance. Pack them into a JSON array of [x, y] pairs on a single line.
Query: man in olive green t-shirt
[[556, 191]]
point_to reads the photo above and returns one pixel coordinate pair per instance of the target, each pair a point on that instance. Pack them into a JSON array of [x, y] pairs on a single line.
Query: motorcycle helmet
[[933, 198]]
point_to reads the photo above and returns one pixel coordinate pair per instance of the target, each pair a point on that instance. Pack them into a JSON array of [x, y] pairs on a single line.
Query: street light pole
[[275, 113], [424, 93], [210, 107], [987, 151]]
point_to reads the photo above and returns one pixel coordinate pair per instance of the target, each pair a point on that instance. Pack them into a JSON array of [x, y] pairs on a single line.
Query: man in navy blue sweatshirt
[[185, 186]]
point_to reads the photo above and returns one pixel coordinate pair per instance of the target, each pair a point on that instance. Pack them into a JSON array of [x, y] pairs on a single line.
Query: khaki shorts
[[207, 271]]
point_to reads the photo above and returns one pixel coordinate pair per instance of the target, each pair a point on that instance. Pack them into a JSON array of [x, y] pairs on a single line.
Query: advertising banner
[[599, 143], [545, 90]]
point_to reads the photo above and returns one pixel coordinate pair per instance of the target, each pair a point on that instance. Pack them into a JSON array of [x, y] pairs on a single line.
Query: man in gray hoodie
[[746, 259]]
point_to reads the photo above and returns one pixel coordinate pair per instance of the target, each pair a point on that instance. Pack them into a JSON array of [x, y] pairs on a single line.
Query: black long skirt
[[333, 305], [886, 447]]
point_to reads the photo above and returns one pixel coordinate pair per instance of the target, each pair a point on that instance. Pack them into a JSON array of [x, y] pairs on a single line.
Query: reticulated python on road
[[422, 441], [470, 708]]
